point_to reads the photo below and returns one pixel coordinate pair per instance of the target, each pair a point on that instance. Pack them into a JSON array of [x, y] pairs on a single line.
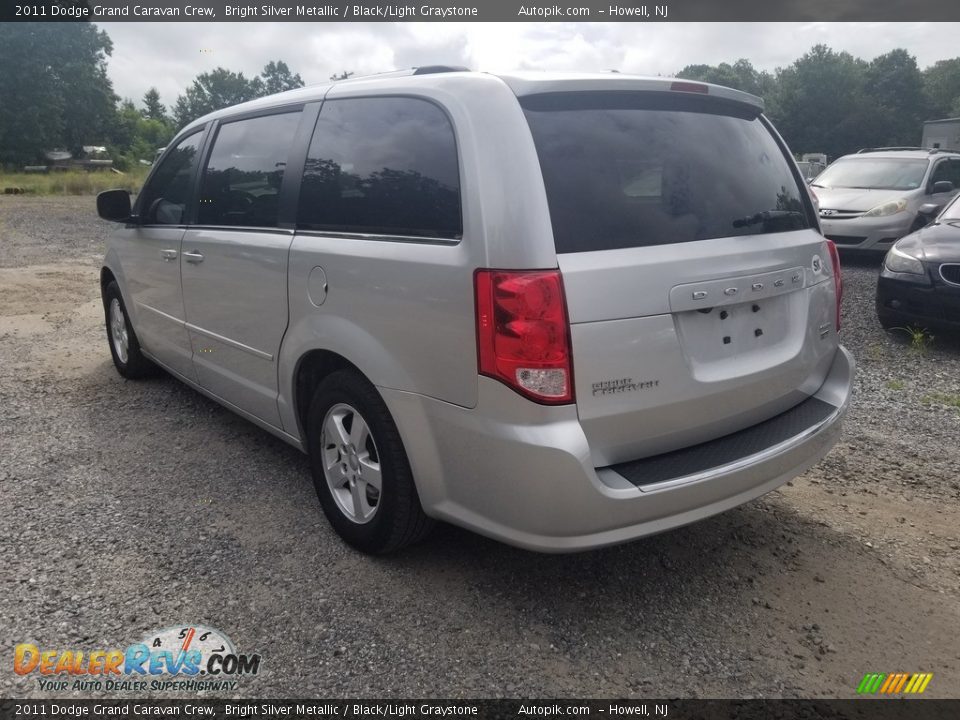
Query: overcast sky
[[170, 55]]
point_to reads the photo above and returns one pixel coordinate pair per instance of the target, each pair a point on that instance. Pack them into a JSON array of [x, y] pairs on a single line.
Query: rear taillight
[[837, 277], [523, 337]]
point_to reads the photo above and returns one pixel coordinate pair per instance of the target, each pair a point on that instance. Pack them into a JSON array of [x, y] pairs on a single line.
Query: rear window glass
[[636, 169], [874, 173]]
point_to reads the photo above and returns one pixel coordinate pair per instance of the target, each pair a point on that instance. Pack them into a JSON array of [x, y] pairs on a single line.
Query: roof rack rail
[[406, 72], [432, 69], [883, 149]]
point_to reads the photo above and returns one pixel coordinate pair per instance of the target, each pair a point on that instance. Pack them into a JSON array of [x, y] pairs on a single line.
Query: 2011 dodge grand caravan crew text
[[563, 311]]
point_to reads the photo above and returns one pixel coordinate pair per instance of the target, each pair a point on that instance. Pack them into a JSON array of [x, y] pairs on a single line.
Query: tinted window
[[947, 170], [164, 200], [382, 166], [875, 173], [241, 184], [635, 169]]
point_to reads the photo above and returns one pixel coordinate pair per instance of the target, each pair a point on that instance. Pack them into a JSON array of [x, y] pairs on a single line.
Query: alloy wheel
[[351, 463]]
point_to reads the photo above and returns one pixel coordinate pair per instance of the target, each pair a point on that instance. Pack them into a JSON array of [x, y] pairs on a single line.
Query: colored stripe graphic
[[870, 683], [894, 683], [890, 681]]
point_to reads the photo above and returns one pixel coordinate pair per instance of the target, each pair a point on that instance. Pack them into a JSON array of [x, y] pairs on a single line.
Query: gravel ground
[[132, 506]]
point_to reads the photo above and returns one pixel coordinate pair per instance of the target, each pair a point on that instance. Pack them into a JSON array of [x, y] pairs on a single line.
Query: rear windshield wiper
[[764, 217]]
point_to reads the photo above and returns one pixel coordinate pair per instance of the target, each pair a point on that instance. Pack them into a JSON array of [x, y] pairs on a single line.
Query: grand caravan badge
[[623, 385]]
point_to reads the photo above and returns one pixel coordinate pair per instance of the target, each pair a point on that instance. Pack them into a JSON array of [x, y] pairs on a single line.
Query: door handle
[[193, 257], [168, 255]]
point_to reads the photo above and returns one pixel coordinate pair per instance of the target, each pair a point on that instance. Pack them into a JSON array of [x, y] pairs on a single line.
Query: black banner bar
[[478, 10], [256, 709]]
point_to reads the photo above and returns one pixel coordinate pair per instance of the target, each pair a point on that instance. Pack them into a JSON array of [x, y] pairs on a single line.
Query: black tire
[[397, 519], [136, 366]]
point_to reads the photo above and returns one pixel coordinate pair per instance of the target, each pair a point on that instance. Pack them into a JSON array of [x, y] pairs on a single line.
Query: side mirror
[[929, 210], [114, 205], [941, 186]]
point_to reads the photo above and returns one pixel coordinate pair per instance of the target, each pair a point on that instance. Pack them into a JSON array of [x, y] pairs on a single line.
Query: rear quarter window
[[638, 169]]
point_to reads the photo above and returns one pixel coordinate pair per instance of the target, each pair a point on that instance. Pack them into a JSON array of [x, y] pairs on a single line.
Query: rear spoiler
[[524, 84]]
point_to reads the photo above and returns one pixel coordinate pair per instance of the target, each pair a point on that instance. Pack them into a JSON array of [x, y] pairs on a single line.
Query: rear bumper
[[522, 473]]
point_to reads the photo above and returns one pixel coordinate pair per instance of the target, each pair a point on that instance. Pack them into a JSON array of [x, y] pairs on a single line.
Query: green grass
[[951, 399], [73, 182], [920, 338], [895, 384]]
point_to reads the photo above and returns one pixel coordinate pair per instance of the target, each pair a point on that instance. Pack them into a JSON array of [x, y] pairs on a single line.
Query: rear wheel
[[360, 470], [124, 346]]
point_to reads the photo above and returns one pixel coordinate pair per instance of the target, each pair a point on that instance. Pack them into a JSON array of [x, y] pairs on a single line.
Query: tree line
[[55, 94], [832, 102]]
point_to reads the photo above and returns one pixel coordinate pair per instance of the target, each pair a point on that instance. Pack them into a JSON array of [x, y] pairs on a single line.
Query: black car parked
[[919, 285]]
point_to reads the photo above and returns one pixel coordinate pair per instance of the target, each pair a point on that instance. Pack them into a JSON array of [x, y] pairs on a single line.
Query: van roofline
[[520, 83]]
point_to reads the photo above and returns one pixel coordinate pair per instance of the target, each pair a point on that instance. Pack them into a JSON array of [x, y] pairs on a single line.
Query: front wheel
[[360, 470], [124, 346]]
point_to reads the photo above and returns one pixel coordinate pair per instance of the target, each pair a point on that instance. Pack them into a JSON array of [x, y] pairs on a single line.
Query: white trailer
[[943, 134]]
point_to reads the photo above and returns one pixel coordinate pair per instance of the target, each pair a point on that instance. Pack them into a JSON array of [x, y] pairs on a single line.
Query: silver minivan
[[563, 311], [872, 198]]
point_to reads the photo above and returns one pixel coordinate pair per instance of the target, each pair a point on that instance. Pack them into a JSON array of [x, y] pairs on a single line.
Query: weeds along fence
[[73, 182]]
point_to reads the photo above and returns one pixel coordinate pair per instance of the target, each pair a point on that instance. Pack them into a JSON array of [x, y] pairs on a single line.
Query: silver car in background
[[873, 198], [560, 310]]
